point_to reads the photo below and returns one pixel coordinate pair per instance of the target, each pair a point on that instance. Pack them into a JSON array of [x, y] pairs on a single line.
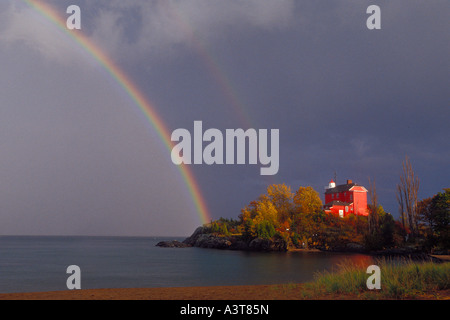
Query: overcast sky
[[78, 158]]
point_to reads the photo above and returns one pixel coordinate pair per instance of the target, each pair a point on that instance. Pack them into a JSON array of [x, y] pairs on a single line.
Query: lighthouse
[[332, 184], [349, 198]]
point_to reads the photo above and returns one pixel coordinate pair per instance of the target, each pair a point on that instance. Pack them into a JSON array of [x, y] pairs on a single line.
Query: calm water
[[39, 264]]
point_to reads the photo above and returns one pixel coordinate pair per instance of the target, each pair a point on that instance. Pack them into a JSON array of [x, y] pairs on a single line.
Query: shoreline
[[246, 292], [161, 293], [431, 277], [203, 237]]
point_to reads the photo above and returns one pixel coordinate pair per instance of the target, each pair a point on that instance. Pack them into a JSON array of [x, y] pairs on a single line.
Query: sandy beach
[[257, 292], [288, 291], [260, 292]]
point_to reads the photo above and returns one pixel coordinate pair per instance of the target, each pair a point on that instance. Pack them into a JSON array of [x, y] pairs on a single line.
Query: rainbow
[[145, 106], [218, 73]]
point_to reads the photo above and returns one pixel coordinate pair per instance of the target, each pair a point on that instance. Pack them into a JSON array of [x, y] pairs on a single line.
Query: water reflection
[[234, 268], [39, 264]]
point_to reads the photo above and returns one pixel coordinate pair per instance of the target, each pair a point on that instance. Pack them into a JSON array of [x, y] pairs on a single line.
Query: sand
[[261, 292], [257, 292]]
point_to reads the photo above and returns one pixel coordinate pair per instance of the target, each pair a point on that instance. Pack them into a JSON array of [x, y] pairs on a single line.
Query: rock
[[445, 252], [207, 240], [212, 241], [239, 245], [193, 238], [407, 254], [259, 244], [172, 244], [354, 247], [201, 238]]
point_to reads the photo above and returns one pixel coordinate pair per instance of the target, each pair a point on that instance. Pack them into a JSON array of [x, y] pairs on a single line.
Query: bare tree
[[374, 214], [401, 205], [407, 191]]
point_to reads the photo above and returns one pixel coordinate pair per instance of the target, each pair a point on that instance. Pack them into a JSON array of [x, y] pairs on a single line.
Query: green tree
[[435, 213], [374, 214], [265, 230], [387, 228], [383, 236]]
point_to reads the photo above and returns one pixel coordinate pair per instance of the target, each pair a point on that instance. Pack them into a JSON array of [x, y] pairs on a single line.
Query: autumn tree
[[248, 213], [266, 211], [269, 215], [260, 218], [307, 200], [306, 217], [281, 197]]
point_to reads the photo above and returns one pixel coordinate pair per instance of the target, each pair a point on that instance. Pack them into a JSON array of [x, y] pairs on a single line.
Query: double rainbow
[[146, 107]]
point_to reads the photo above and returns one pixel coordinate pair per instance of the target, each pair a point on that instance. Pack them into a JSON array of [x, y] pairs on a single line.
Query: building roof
[[340, 188], [345, 187]]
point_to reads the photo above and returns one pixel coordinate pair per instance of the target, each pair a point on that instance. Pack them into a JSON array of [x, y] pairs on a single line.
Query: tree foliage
[[434, 215], [307, 201], [299, 219]]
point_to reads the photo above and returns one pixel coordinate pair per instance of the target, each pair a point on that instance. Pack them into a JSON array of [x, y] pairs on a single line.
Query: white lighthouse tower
[[331, 185]]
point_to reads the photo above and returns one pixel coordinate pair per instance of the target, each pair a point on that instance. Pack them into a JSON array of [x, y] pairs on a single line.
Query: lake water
[[30, 264]]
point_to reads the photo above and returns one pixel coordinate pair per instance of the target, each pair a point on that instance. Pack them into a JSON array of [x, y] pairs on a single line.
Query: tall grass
[[399, 279]]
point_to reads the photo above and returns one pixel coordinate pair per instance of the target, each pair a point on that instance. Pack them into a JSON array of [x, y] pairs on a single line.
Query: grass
[[399, 280]]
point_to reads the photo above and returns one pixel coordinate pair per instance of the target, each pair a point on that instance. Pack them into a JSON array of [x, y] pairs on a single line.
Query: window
[[332, 196], [351, 196], [337, 196]]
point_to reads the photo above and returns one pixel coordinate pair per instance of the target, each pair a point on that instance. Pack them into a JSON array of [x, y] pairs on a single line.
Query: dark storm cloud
[[346, 100]]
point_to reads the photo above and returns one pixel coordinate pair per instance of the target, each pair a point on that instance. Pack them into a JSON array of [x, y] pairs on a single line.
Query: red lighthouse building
[[345, 199]]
